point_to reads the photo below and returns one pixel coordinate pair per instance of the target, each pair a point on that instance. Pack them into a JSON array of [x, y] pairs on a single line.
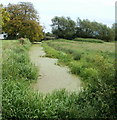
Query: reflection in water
[[53, 77]]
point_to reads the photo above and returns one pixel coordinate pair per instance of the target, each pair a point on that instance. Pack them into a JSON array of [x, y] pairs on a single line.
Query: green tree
[[23, 11], [85, 28], [63, 27], [88, 29], [31, 29], [4, 17], [24, 22]]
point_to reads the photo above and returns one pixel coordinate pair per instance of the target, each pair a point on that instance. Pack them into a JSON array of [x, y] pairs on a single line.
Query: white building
[[3, 36]]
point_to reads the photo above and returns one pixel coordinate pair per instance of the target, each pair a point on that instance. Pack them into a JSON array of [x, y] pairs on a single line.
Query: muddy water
[[52, 77]]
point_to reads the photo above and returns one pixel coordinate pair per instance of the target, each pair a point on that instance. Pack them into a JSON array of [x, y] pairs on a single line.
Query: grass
[[89, 40], [17, 73], [95, 65], [19, 101], [78, 49], [81, 57]]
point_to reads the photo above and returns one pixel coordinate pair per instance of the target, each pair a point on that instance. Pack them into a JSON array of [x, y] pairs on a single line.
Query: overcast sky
[[102, 11]]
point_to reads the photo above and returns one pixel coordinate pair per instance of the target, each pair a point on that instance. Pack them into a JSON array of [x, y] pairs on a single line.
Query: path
[[52, 76]]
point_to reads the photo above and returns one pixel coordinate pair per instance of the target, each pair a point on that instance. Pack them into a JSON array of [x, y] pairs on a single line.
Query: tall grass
[[21, 102], [17, 72], [98, 74], [18, 99]]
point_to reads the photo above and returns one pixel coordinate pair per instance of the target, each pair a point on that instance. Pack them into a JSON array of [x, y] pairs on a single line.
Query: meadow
[[83, 58], [94, 63], [95, 66]]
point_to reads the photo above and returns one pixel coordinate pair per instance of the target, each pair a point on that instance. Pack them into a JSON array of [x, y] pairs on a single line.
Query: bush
[[102, 64], [76, 67], [77, 55], [89, 74]]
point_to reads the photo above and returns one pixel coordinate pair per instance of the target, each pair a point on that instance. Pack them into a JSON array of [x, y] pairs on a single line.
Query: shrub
[[76, 67], [102, 64], [89, 74], [77, 55]]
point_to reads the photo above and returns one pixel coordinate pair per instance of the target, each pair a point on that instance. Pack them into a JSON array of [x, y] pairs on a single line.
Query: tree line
[[21, 20], [65, 27]]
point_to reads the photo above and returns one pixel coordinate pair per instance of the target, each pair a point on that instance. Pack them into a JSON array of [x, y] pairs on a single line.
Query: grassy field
[[81, 55], [84, 48], [96, 100], [94, 63]]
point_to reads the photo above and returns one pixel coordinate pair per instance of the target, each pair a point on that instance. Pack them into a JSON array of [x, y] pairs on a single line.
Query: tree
[[24, 22], [84, 28], [31, 29], [4, 17], [23, 11], [88, 29], [63, 27]]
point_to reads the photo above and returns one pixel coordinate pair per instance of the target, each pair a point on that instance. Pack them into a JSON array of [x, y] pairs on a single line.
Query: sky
[[102, 11]]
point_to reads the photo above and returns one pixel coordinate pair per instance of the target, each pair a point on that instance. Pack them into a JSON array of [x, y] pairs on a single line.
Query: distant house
[[3, 36]]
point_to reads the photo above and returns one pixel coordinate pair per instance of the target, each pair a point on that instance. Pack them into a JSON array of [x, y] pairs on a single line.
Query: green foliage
[[88, 29], [23, 22], [17, 64], [68, 29], [97, 99], [84, 49], [63, 27], [50, 52], [17, 98], [4, 17], [32, 29], [19, 101], [89, 73], [89, 40]]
